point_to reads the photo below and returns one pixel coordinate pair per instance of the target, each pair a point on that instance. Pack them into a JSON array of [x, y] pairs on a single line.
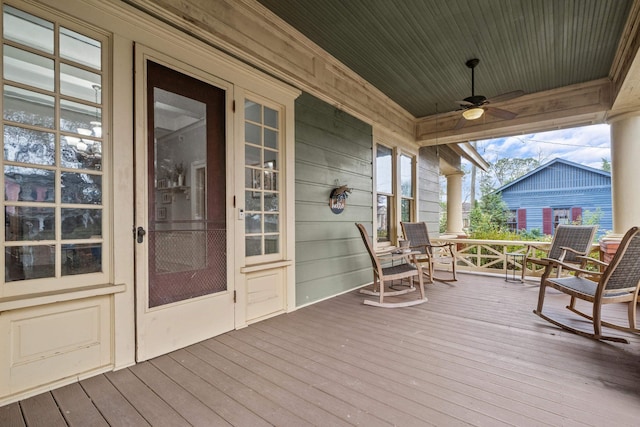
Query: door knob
[[140, 232]]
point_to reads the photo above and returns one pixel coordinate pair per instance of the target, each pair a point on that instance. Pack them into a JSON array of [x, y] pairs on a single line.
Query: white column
[[625, 173], [454, 204]]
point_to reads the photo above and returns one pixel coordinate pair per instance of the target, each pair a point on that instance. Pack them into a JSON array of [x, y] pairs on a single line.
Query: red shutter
[[576, 214], [522, 219], [547, 220]]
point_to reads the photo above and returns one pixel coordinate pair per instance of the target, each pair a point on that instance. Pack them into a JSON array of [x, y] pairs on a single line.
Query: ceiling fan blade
[[500, 113], [460, 123], [507, 96]]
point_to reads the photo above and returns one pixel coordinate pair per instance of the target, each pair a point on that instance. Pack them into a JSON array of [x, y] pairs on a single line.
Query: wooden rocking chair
[[619, 282], [383, 275], [418, 236], [570, 243]]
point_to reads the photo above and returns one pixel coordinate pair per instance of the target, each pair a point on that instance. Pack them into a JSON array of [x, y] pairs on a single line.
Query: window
[[406, 188], [384, 187], [53, 78], [561, 216], [395, 192], [262, 179], [512, 220]]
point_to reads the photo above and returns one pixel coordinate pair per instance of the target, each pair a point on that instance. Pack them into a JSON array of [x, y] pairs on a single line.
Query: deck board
[[77, 408], [11, 415], [474, 354]]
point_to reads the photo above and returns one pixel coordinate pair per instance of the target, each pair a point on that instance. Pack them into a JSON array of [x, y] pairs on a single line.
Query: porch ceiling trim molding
[[252, 33], [577, 105]]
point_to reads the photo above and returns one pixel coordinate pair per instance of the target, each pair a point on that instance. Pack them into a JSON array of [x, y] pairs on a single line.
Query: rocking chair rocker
[[619, 282], [384, 275]]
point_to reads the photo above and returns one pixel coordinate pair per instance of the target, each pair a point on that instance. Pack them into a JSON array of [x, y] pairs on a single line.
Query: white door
[[183, 291]]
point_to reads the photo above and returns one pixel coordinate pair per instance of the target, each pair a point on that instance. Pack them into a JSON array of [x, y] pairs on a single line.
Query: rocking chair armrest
[[567, 249], [545, 248], [597, 262], [571, 267]]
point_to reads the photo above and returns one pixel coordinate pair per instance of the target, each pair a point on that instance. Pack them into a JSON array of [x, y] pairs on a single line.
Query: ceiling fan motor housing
[[476, 100]]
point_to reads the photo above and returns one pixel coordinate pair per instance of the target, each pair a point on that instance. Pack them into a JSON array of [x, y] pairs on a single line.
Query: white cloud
[[585, 145]]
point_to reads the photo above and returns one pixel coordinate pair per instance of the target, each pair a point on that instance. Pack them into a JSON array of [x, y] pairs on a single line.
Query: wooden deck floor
[[475, 354]]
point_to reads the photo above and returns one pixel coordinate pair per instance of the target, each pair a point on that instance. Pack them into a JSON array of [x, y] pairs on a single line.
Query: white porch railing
[[489, 256]]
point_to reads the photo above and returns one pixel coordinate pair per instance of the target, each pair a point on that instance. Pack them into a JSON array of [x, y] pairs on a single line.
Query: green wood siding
[[429, 189], [330, 145]]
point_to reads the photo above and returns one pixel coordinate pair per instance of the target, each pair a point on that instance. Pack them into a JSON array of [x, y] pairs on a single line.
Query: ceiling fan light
[[473, 113]]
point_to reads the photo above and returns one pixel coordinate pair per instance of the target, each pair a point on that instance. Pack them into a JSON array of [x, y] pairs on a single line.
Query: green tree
[[606, 166], [489, 217]]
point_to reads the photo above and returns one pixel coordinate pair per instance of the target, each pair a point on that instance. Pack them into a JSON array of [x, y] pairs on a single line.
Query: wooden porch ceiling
[[574, 59], [474, 354]]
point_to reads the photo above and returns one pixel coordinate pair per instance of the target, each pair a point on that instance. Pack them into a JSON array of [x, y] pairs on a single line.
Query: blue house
[[558, 192]]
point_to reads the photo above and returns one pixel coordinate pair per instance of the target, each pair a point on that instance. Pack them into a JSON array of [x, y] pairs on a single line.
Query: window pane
[[253, 245], [81, 188], [271, 223], [383, 218], [79, 48], [28, 68], [80, 153], [252, 201], [271, 138], [406, 176], [271, 244], [28, 184], [405, 214], [270, 158], [252, 156], [29, 223], [29, 146], [31, 108], [80, 83], [252, 134], [29, 262], [80, 118], [81, 223], [27, 29], [252, 178], [253, 223], [271, 202], [252, 111], [81, 259], [270, 180], [384, 170], [270, 117]]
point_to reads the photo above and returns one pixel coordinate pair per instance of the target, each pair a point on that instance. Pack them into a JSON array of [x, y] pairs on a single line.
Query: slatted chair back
[[577, 237], [623, 272], [418, 236], [375, 262]]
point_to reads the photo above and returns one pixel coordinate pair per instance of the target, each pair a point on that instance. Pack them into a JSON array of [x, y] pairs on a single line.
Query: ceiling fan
[[474, 106]]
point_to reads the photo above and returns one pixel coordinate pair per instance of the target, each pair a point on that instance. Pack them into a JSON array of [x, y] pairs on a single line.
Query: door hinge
[[234, 201], [233, 106], [234, 297]]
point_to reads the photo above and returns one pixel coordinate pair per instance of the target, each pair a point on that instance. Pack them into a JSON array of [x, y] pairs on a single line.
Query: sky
[[586, 145]]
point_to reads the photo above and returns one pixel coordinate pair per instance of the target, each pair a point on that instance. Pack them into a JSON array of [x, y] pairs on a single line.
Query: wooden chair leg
[[632, 313], [541, 294], [597, 318]]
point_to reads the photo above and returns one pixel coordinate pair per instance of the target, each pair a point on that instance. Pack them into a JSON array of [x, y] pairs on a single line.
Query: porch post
[[625, 174], [454, 204], [625, 202]]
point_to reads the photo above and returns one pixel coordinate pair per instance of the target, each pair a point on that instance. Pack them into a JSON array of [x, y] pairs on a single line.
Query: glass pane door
[[187, 219]]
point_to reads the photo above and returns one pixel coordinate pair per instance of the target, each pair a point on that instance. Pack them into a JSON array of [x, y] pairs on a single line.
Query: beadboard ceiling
[[415, 51]]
